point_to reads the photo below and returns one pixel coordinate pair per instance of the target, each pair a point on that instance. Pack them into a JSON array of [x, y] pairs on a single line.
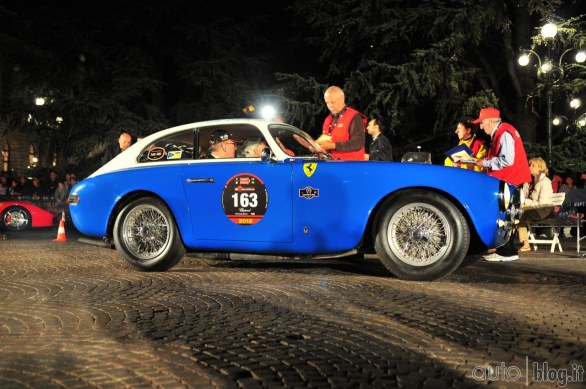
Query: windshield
[[296, 143]]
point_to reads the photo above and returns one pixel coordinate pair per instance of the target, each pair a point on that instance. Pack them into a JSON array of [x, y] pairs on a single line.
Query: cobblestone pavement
[[75, 316]]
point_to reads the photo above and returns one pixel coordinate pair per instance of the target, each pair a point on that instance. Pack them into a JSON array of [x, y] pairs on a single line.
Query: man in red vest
[[343, 130], [507, 161]]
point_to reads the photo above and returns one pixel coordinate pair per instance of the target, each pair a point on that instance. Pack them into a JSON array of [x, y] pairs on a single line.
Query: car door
[[240, 200]]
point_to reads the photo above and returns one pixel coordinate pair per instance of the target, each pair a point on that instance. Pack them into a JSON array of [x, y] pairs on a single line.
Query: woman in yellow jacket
[[467, 137]]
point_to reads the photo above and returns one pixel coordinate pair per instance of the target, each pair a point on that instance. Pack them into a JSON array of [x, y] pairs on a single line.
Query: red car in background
[[20, 215]]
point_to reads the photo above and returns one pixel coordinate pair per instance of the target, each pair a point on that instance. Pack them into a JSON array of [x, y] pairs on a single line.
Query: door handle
[[196, 180]]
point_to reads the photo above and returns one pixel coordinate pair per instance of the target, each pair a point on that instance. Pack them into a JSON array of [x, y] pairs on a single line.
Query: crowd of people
[[52, 190]]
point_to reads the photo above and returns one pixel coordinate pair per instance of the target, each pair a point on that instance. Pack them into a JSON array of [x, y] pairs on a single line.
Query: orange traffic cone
[[61, 231]]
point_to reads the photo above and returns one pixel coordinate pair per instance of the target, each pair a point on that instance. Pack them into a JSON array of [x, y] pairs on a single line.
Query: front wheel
[[145, 234], [16, 218], [421, 236]]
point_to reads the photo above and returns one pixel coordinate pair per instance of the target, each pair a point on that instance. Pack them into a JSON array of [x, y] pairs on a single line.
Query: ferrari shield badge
[[309, 168]]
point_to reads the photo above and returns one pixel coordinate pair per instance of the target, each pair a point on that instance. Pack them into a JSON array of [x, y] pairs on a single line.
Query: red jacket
[[518, 173], [341, 132]]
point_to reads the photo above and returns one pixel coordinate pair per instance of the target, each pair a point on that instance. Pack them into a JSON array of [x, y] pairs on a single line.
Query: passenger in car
[[253, 147], [222, 145]]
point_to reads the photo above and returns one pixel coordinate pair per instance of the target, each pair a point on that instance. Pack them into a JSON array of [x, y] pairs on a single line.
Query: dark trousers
[[508, 249]]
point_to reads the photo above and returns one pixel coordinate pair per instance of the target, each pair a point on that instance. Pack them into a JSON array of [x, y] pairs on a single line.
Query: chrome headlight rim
[[504, 196]]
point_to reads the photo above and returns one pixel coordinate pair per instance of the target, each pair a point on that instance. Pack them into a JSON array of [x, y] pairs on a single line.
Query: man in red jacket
[[343, 130], [507, 161]]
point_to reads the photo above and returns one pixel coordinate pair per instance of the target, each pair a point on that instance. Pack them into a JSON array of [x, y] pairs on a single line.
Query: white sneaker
[[494, 257]]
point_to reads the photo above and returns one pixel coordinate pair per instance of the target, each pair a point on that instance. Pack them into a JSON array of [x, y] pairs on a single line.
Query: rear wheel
[[16, 218], [421, 236], [145, 234]]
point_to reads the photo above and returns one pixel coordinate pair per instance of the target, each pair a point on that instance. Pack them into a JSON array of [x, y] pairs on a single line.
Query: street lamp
[[546, 70]]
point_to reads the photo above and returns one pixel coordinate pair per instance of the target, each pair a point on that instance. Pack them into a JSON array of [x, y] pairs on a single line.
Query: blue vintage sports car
[[163, 197]]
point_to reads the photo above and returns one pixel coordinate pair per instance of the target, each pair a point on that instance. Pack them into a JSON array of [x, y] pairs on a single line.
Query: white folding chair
[[554, 223]]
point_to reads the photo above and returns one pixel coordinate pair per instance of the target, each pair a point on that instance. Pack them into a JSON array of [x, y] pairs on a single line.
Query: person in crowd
[[35, 190], [222, 145], [380, 148], [506, 159], [72, 183], [3, 187], [14, 190], [253, 147], [556, 181], [24, 186], [568, 184], [124, 142], [582, 182], [51, 185], [538, 205], [466, 136], [343, 130], [60, 193]]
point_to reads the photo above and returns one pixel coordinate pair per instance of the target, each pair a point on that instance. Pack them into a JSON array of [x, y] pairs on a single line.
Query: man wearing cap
[[343, 131], [507, 161], [506, 157], [222, 145]]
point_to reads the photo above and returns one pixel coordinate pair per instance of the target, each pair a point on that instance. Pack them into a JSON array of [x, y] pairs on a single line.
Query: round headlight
[[504, 196]]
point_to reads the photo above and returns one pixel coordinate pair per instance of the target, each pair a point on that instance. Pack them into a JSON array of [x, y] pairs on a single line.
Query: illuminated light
[[35, 159], [581, 56], [59, 119], [549, 30], [546, 67], [556, 121], [582, 122], [524, 59], [40, 101], [268, 112], [575, 103]]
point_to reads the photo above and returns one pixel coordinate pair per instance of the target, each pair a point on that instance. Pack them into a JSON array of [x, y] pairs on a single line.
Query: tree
[[110, 66], [422, 64]]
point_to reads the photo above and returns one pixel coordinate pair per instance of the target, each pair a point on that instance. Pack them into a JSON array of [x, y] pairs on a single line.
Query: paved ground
[[74, 316]]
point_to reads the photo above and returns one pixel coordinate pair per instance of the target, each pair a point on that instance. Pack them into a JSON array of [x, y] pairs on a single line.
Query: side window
[[170, 148]]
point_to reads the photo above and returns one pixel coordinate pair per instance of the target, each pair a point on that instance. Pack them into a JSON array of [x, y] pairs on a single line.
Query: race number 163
[[245, 200]]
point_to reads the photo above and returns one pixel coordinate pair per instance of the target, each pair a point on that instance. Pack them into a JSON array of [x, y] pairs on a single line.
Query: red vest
[[341, 132], [518, 173]]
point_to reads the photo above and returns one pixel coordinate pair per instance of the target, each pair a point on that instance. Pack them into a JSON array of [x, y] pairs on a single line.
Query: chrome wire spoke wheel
[[146, 232], [419, 234]]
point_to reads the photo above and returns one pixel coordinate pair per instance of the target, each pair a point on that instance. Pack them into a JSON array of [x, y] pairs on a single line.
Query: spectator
[[343, 131], [72, 182], [507, 161], [556, 181], [60, 193], [253, 147], [112, 151], [380, 148], [14, 190], [466, 136], [537, 205], [582, 182], [3, 186], [222, 145], [24, 186], [51, 184], [35, 190], [568, 184]]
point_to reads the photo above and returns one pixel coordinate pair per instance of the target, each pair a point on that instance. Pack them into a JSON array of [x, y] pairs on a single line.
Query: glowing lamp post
[[545, 70]]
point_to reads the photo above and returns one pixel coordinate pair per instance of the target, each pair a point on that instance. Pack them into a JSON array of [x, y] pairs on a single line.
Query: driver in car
[[222, 145]]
